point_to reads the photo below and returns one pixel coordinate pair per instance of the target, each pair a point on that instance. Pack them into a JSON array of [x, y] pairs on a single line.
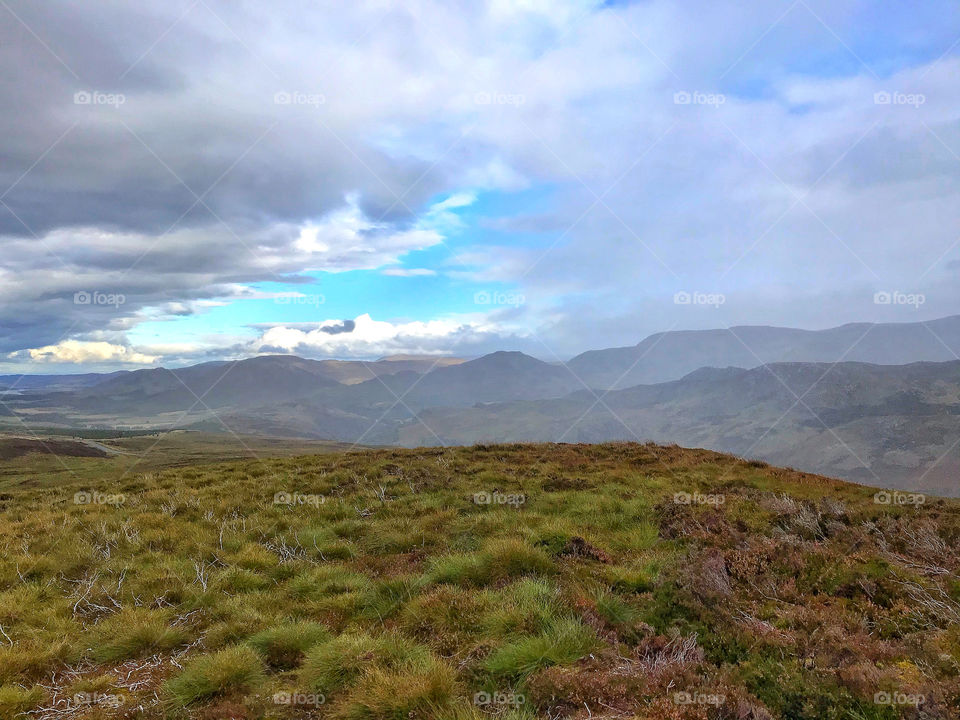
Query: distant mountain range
[[671, 355], [893, 425], [878, 404]]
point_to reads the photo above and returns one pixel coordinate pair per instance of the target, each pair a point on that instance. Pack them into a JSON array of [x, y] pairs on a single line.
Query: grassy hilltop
[[512, 581]]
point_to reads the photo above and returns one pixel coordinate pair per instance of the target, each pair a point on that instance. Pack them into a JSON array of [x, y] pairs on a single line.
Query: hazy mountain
[[55, 382], [377, 407], [241, 383], [671, 355], [880, 425], [350, 372]]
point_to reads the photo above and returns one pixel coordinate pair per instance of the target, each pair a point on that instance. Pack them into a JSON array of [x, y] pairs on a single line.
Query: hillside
[[876, 424], [516, 581], [671, 355]]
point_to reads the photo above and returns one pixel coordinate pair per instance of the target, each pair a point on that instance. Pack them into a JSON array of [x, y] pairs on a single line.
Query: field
[[512, 581]]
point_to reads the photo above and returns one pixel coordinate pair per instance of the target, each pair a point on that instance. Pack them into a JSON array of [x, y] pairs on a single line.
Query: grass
[[234, 669], [398, 596], [563, 643], [283, 646]]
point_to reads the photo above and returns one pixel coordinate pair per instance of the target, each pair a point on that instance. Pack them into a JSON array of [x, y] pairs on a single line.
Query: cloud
[[73, 351], [367, 337], [347, 326], [257, 144]]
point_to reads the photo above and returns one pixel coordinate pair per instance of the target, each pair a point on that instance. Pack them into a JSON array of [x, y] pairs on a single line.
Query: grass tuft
[[563, 643], [234, 669], [283, 646]]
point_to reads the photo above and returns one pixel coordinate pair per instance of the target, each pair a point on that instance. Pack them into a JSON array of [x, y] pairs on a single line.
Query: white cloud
[[375, 338], [76, 351]]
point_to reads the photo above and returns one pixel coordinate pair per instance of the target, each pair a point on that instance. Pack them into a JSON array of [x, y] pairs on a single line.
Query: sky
[[193, 180]]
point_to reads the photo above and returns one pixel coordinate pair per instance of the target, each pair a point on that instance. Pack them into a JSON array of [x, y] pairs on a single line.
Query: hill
[[522, 581], [876, 424], [671, 355], [241, 383]]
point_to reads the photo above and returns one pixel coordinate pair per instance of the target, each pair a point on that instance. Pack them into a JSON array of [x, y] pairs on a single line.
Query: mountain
[[350, 372], [241, 383], [895, 426], [375, 409], [671, 355], [54, 382], [887, 422]]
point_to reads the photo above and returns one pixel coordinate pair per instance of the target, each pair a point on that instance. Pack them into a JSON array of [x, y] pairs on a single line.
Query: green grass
[[199, 598], [235, 669], [563, 643], [283, 646]]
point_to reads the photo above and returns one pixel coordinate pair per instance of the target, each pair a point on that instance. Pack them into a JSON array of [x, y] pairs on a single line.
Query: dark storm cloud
[[346, 326], [188, 125]]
